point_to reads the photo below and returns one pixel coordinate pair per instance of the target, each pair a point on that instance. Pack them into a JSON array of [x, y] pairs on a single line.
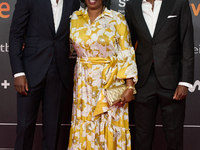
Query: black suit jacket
[[33, 25], [170, 48]]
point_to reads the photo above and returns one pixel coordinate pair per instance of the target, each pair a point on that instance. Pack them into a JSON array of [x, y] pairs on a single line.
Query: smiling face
[[94, 4]]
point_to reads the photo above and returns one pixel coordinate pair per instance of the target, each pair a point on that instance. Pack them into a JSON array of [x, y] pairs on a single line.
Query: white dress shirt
[[57, 13], [151, 17]]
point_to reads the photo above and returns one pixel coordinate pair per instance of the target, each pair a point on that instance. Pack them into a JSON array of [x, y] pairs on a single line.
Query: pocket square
[[172, 16]]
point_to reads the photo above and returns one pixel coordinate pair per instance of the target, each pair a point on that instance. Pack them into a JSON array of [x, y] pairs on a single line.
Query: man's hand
[[181, 92], [21, 85]]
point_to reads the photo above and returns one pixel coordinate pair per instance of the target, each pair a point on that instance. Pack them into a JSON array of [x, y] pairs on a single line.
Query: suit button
[[154, 43]]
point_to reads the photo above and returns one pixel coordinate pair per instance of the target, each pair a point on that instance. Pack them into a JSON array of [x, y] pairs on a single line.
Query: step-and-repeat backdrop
[[8, 94]]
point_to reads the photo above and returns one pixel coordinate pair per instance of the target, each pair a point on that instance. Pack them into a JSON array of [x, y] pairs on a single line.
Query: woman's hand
[[127, 96]]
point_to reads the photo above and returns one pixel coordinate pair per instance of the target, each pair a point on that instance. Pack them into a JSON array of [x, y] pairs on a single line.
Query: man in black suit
[[165, 59], [41, 68]]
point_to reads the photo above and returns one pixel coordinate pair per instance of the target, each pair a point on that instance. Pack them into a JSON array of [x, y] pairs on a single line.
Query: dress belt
[[110, 71]]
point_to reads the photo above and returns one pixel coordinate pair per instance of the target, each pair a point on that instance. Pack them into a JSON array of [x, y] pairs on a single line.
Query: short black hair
[[106, 3]]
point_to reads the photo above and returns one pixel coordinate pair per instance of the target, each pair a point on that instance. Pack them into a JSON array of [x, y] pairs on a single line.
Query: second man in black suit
[[165, 61]]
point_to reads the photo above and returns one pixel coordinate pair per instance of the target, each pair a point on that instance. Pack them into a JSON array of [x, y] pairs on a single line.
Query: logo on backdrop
[[195, 9], [5, 84], [4, 48], [122, 4], [195, 86], [197, 50], [4, 10]]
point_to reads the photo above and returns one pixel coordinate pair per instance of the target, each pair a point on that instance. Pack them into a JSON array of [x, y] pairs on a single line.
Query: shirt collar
[[107, 12], [54, 2], [84, 13]]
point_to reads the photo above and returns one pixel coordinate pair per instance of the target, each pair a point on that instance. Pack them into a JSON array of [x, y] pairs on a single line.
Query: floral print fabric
[[102, 47]]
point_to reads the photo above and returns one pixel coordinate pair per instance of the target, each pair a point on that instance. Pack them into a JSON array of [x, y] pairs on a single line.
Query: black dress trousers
[[148, 98], [52, 93]]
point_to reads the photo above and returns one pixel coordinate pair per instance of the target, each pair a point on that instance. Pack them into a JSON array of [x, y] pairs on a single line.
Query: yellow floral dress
[[105, 57]]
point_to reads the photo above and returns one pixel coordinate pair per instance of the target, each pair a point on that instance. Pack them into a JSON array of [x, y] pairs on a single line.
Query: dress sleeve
[[127, 67], [71, 32], [73, 22]]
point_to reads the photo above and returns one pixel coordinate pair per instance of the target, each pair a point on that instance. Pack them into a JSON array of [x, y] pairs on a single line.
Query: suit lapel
[[47, 10], [140, 18], [64, 18], [165, 10]]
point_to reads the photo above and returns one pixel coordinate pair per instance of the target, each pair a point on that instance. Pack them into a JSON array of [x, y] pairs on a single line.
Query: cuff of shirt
[[185, 84], [19, 74]]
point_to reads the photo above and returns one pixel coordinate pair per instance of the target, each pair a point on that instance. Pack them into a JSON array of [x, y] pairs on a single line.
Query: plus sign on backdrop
[[5, 84]]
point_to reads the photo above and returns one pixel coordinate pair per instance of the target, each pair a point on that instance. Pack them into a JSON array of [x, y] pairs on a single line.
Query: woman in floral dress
[[105, 59]]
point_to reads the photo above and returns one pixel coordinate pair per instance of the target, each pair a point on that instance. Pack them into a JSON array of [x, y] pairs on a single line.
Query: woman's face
[[94, 4]]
